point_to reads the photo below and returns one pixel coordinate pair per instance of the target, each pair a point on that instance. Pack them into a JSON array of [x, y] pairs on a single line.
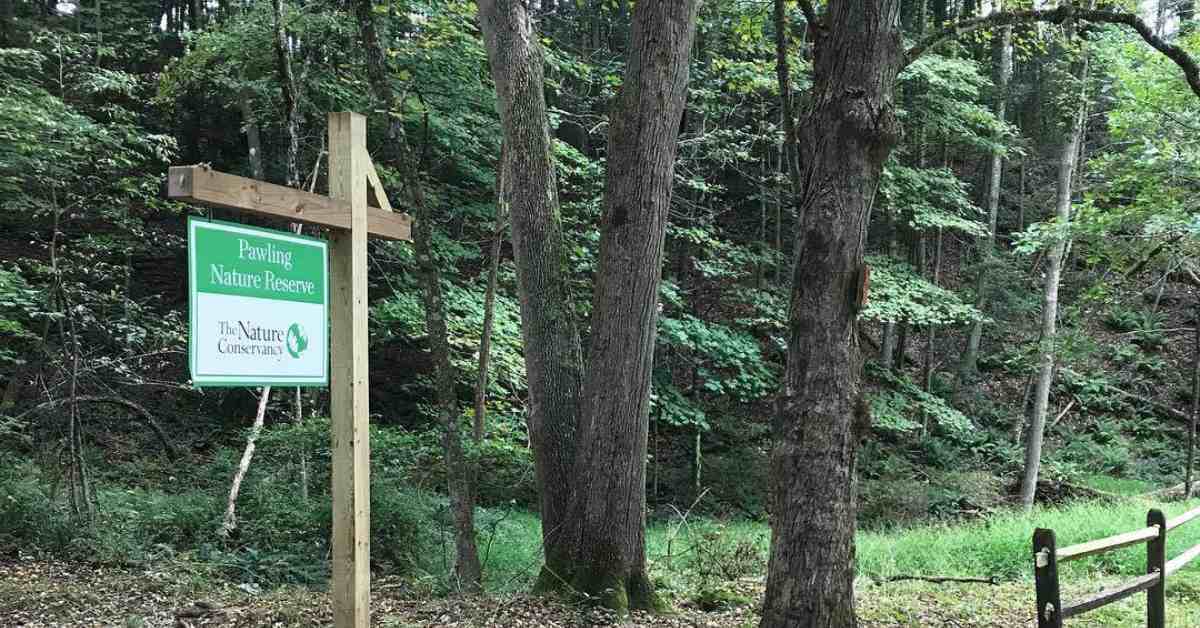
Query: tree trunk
[[987, 245], [291, 124], [553, 359], [291, 104], [1187, 491], [931, 332], [229, 523], [253, 140], [849, 130], [1054, 262], [467, 570], [489, 309], [611, 461]]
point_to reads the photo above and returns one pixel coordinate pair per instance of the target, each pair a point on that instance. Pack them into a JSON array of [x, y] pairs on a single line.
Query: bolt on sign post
[[284, 338]]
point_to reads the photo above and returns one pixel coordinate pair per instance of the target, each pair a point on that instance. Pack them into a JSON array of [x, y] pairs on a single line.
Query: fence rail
[[1046, 557]]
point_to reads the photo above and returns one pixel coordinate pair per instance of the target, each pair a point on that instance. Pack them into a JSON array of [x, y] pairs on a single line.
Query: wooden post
[[348, 375], [1045, 576], [1156, 561]]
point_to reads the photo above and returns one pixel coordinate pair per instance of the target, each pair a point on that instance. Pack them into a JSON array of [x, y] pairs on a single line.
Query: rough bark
[[850, 128], [553, 359], [1046, 349], [229, 522], [611, 459], [1003, 59]]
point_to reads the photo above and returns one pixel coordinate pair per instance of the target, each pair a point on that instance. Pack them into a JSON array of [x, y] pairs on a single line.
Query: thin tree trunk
[[848, 132], [291, 126], [611, 458], [1021, 200], [303, 456], [291, 104], [229, 522], [253, 140], [467, 570], [489, 309], [927, 374], [1191, 459], [1054, 262], [553, 359], [987, 245]]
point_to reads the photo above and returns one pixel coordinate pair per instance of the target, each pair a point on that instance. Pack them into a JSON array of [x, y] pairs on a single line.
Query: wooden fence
[[1050, 610]]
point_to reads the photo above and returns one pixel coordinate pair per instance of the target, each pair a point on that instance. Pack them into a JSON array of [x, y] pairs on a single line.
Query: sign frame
[[195, 223]]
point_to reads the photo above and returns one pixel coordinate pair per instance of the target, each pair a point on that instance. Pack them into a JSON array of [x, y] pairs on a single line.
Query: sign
[[259, 306]]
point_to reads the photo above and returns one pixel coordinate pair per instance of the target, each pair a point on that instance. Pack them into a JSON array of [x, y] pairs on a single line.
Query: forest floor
[[38, 593], [176, 590]]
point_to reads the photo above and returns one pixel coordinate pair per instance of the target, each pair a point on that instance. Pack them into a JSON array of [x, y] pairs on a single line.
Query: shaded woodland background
[[109, 453]]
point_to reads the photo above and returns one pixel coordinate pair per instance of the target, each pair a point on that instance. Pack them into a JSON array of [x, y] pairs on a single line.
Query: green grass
[[999, 546], [1117, 486]]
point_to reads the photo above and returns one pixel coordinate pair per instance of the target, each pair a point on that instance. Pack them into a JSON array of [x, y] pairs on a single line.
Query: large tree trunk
[[553, 360], [1046, 349], [850, 129], [1003, 58], [611, 460]]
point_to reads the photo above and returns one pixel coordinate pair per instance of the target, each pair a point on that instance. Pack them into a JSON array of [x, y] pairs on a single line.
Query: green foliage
[[898, 408], [931, 198], [899, 294]]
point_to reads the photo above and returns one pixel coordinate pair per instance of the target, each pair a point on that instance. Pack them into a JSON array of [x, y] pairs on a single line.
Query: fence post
[[1156, 560], [1045, 577]]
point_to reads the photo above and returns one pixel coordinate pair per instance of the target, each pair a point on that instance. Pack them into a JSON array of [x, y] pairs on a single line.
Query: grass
[[998, 546], [1117, 486]]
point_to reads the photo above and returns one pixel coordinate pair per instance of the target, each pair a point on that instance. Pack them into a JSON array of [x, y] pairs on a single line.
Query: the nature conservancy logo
[[297, 340], [247, 338]]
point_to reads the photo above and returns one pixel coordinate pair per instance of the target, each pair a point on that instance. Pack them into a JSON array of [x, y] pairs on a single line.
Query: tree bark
[[1191, 459], [229, 522], [849, 130], [553, 359], [611, 459], [1003, 55], [489, 309], [1054, 262]]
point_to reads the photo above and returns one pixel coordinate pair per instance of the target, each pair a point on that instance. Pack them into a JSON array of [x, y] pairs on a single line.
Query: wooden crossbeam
[[201, 184]]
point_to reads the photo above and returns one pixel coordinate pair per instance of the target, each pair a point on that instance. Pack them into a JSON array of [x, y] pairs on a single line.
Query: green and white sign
[[259, 306]]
